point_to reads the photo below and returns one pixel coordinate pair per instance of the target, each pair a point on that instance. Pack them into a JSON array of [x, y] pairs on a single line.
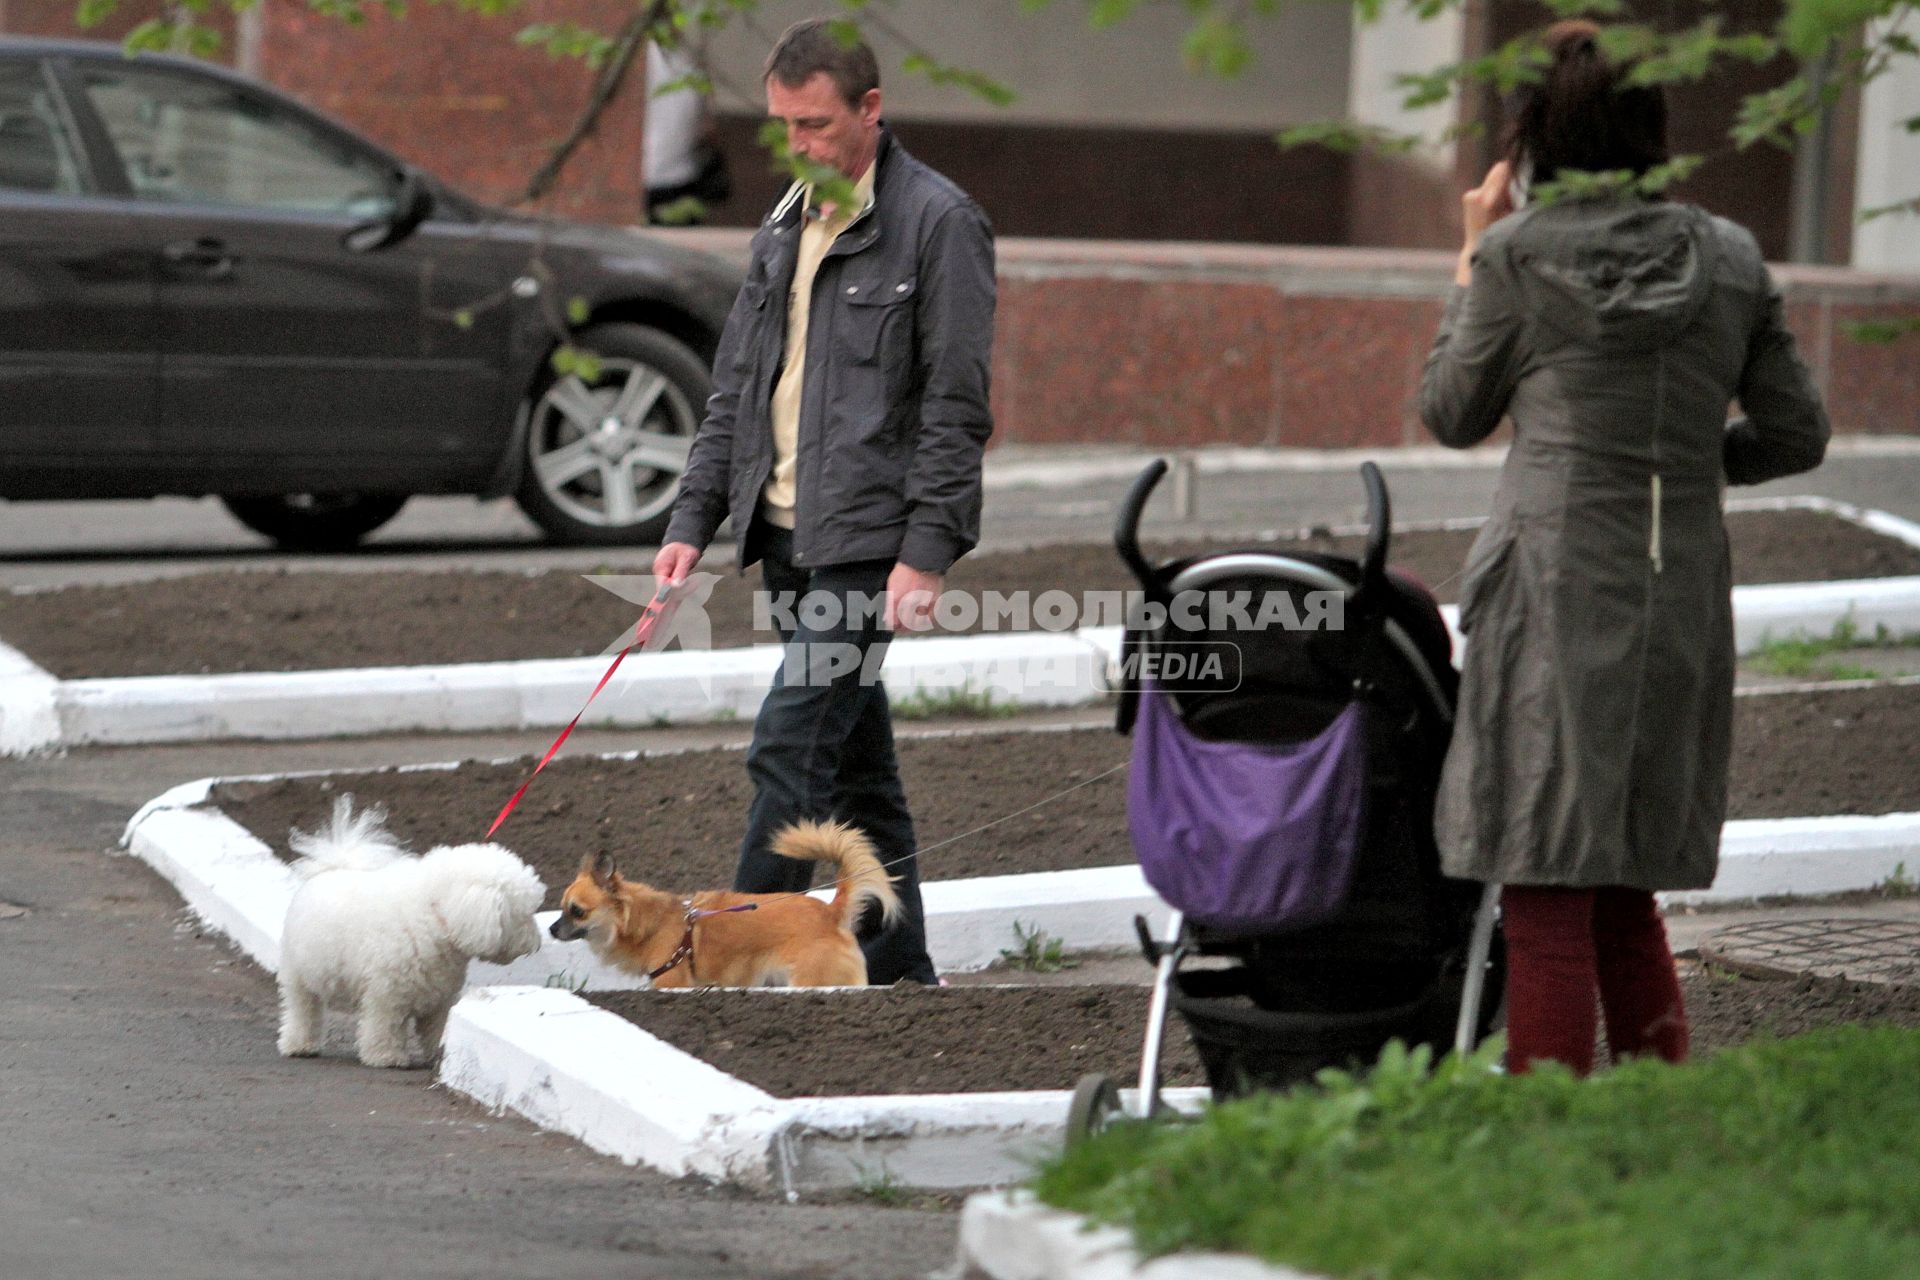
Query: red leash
[[641, 631]]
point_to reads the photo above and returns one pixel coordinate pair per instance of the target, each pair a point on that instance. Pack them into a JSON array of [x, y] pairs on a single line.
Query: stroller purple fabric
[[1247, 836]]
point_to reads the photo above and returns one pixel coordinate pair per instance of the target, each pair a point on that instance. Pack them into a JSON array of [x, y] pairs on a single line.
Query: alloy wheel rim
[[610, 453]]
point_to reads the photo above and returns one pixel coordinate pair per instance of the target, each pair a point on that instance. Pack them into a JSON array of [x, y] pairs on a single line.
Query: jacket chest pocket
[[875, 321]]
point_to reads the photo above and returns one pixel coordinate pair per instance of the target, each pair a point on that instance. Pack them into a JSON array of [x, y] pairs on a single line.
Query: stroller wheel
[[1096, 1104]]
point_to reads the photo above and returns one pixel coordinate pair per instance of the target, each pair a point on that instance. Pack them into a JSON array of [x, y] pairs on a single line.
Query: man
[[844, 437]]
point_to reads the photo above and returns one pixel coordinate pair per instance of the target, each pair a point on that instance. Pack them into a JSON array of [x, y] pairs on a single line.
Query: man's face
[[821, 127]]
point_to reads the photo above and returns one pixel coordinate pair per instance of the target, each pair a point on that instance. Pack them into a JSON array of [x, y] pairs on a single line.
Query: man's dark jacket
[[893, 410]]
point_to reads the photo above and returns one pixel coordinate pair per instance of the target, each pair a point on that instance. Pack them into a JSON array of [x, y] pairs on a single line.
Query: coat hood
[[1623, 275]]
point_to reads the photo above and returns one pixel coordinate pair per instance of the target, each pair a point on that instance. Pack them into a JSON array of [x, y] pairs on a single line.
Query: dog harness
[[683, 954]]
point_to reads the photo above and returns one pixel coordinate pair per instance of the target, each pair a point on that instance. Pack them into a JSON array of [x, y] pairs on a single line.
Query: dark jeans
[[823, 748]]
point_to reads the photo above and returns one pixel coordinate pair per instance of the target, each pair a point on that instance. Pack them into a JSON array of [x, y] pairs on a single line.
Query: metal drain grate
[[1864, 950]]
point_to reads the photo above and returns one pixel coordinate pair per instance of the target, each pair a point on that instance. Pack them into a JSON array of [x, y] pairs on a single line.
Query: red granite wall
[[1176, 345], [458, 97]]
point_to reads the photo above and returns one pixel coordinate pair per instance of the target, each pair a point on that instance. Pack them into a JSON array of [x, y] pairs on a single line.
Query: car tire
[[603, 456], [316, 521]]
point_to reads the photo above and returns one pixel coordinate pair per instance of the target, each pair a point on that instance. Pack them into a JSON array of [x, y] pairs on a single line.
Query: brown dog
[[784, 940]]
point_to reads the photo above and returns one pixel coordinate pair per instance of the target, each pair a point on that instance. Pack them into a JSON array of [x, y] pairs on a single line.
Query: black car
[[208, 288]]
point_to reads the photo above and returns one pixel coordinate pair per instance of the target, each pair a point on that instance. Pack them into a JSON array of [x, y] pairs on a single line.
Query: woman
[[1589, 761]]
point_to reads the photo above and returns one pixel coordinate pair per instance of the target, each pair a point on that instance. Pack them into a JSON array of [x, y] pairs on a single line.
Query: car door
[[280, 345], [79, 367]]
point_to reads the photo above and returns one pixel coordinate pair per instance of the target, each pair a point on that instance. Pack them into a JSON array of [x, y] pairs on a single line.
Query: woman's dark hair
[[1581, 114], [808, 48]]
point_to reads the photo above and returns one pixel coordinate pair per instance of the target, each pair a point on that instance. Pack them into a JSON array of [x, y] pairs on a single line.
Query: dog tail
[[351, 842], [861, 878]]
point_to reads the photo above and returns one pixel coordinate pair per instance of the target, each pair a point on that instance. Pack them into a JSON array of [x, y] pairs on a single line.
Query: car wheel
[[604, 455], [316, 521]]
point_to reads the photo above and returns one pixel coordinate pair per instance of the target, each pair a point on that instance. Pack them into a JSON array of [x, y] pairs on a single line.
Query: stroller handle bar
[[1373, 567], [1126, 529]]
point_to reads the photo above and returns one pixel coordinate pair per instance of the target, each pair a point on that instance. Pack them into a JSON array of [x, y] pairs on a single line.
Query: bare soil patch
[[909, 1038], [299, 621], [914, 1039], [675, 820]]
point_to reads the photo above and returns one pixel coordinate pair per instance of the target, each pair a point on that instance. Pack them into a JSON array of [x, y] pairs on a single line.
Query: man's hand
[[1480, 208], [673, 562], [911, 595]]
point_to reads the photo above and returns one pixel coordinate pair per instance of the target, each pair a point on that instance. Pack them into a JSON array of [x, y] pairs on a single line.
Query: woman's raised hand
[[1480, 208]]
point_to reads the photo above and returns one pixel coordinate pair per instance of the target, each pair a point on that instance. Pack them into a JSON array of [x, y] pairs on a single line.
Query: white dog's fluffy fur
[[377, 930]]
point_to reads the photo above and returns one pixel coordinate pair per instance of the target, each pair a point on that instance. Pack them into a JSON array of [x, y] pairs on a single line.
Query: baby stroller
[[1281, 801]]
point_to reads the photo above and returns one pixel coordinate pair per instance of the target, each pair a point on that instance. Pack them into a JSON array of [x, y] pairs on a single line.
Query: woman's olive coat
[[1596, 697]]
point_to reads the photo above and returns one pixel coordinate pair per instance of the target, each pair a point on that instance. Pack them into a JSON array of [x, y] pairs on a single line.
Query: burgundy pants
[[1563, 946]]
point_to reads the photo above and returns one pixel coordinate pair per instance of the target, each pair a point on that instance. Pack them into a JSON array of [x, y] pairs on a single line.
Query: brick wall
[[1172, 345], [455, 95]]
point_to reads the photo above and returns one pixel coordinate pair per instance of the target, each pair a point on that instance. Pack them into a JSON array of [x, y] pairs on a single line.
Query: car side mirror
[[412, 205]]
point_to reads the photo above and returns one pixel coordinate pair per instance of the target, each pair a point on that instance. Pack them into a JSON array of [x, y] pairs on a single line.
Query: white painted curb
[[569, 1066], [29, 709], [1809, 857], [1012, 1236], [1032, 669], [577, 1069], [970, 922]]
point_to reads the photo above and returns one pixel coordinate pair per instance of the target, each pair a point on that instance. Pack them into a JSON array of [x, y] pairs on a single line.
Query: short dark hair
[[1582, 114], [808, 48]]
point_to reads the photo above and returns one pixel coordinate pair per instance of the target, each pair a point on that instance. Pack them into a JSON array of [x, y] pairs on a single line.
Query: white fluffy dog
[[377, 930]]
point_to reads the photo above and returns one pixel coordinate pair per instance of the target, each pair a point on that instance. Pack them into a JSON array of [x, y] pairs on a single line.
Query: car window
[[35, 153], [194, 139]]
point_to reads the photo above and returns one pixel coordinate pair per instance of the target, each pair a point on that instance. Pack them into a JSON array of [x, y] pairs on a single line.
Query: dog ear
[[599, 869]]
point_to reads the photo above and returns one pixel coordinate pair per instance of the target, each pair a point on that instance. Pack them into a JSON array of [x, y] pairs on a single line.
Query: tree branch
[[632, 38]]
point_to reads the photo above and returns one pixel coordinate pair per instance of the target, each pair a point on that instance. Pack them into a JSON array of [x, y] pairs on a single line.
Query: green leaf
[[1773, 115], [846, 31], [1586, 8], [463, 318], [578, 311], [1345, 137], [1656, 180], [1807, 27], [1107, 13], [156, 35], [1576, 184], [697, 81], [1217, 46], [1883, 331], [1881, 211], [568, 40], [92, 13], [980, 85], [675, 213]]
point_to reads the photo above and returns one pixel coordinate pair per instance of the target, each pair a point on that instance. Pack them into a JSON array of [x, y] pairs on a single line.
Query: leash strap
[[641, 631], [684, 952]]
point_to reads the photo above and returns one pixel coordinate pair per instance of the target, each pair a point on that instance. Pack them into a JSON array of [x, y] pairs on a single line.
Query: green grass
[[877, 1185], [1807, 658], [1036, 952], [1776, 1160], [966, 701]]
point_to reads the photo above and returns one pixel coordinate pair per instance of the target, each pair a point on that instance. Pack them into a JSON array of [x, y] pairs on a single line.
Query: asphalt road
[[147, 1127]]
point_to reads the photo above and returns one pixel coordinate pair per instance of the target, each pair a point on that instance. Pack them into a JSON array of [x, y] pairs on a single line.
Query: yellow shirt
[[816, 237]]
